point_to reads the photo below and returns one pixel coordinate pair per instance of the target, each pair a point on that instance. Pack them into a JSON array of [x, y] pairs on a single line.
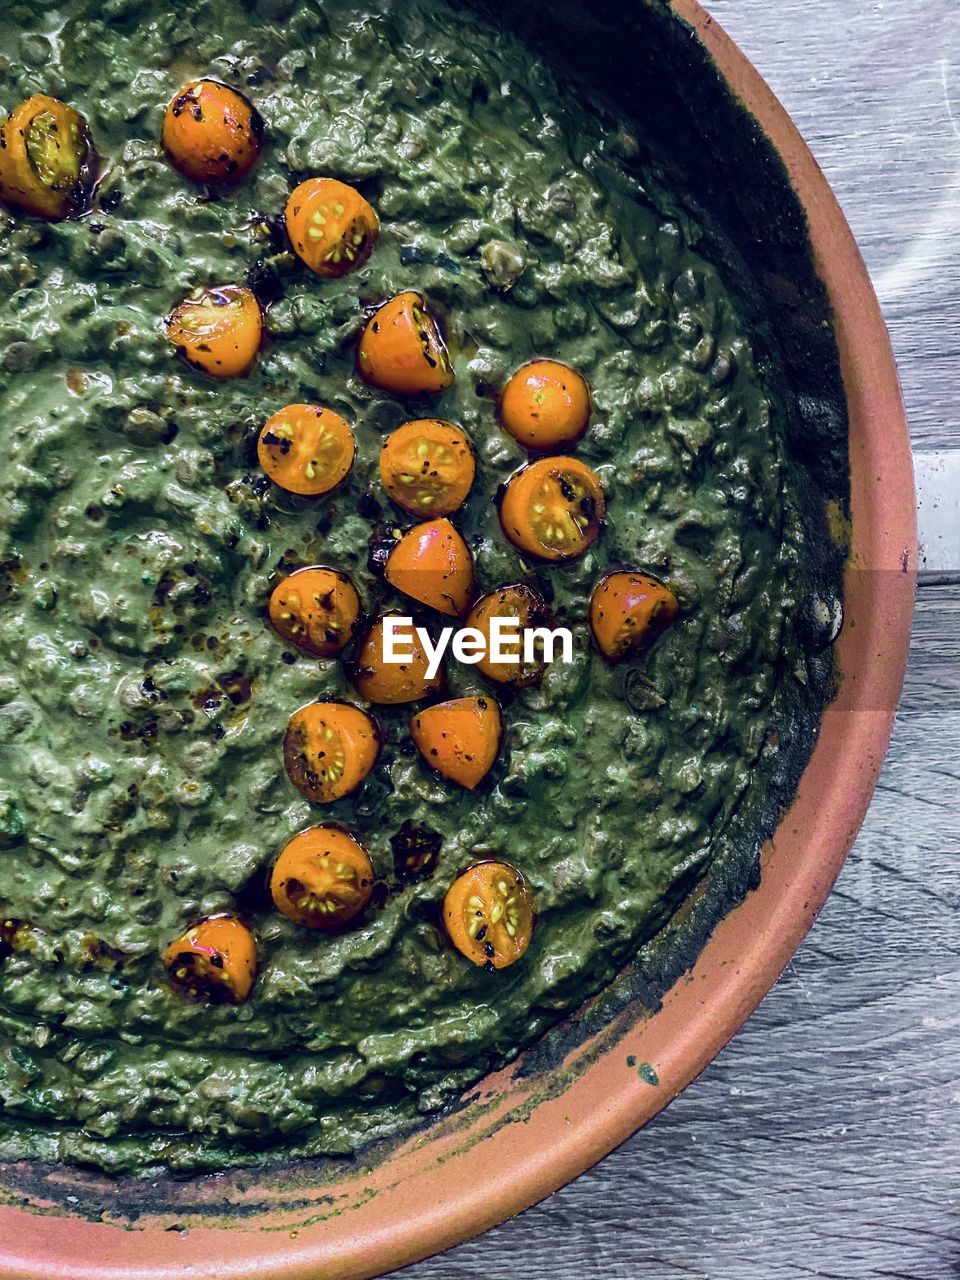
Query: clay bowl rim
[[444, 1202]]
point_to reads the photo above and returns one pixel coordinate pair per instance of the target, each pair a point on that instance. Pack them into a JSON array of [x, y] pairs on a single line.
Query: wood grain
[[825, 1141]]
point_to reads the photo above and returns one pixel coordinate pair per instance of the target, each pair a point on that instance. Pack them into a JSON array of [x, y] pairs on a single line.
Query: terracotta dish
[[541, 1122]]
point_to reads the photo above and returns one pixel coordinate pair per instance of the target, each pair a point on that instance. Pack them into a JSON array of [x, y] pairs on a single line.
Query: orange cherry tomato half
[[628, 611], [316, 610], [401, 350], [211, 133], [323, 878], [488, 913], [392, 683], [306, 449], [329, 749], [427, 467], [545, 405], [553, 508], [460, 739], [331, 227], [47, 161], [432, 563], [218, 330], [528, 607], [214, 960]]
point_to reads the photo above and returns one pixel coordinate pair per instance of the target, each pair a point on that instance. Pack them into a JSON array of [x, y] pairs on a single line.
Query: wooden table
[[825, 1140]]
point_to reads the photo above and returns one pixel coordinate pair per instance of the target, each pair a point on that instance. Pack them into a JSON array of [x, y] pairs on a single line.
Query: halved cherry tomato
[[47, 161], [628, 611], [306, 449], [212, 133], [401, 350], [432, 563], [218, 330], [214, 960], [553, 508], [488, 913], [391, 683], [316, 609], [460, 739], [331, 227], [329, 749], [528, 607], [545, 405], [427, 467], [323, 878]]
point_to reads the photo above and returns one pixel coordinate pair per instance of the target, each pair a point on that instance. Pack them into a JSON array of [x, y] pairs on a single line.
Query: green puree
[[143, 697]]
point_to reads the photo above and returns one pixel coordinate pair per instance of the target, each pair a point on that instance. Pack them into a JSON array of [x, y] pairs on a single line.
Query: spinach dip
[[144, 694]]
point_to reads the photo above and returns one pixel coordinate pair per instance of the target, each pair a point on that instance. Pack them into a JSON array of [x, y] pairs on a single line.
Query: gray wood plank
[[825, 1140], [875, 90], [938, 512]]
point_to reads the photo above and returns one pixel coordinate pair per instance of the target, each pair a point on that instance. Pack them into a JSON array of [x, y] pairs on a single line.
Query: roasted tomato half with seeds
[[459, 739], [323, 878], [529, 608], [47, 161], [401, 350], [427, 467], [329, 749], [317, 610], [431, 563], [306, 449], [214, 960], [218, 330], [628, 611], [553, 509], [488, 913], [211, 133], [393, 683], [332, 228], [545, 405]]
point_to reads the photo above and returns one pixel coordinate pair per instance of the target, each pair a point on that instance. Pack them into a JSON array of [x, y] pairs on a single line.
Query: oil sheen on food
[[143, 697]]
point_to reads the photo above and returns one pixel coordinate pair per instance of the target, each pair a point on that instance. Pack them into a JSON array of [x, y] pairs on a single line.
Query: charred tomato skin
[[433, 565], [211, 133], [391, 684], [460, 739], [489, 914], [317, 609], [332, 228], [329, 749], [628, 610], [553, 509], [545, 406], [306, 449], [323, 878], [401, 350], [416, 851], [215, 960], [47, 159], [428, 467], [519, 600], [218, 330]]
